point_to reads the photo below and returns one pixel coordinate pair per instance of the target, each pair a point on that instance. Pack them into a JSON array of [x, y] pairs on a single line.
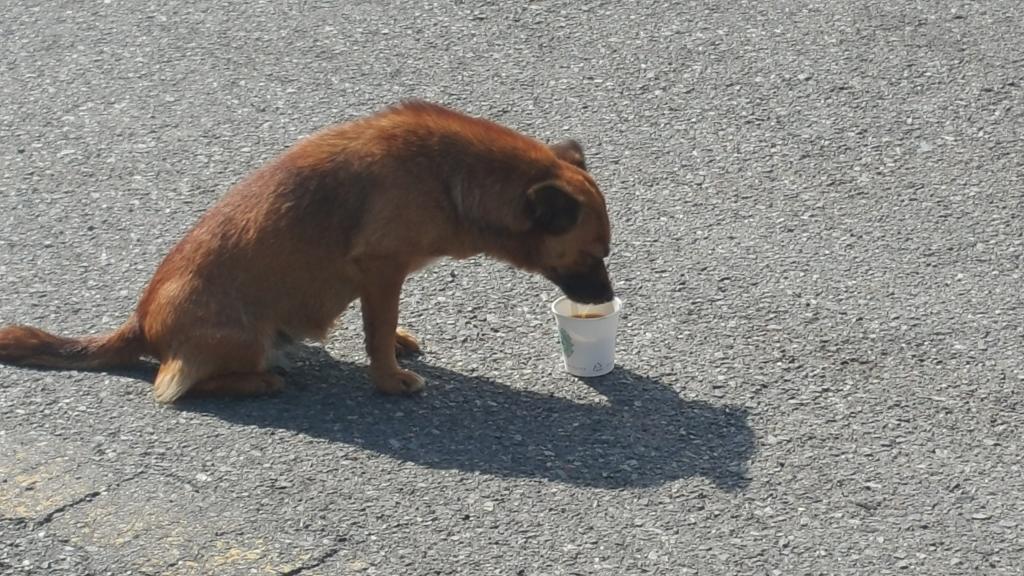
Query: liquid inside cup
[[568, 309]]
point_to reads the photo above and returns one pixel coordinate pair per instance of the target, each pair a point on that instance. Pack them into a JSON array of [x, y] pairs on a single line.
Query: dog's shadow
[[639, 434]]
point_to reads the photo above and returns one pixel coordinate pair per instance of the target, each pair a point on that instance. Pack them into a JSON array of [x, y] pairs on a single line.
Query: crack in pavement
[[88, 497], [330, 553], [65, 507]]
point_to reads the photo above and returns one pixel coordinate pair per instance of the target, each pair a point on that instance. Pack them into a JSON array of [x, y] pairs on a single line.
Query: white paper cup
[[588, 344]]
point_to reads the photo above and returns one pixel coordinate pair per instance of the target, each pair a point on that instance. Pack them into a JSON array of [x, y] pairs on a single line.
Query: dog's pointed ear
[[570, 151], [552, 209]]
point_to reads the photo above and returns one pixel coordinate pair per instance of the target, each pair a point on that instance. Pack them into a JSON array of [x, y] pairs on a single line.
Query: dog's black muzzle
[[589, 285]]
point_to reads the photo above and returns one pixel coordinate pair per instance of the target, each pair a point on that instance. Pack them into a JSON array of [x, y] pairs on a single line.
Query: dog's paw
[[405, 343], [401, 382]]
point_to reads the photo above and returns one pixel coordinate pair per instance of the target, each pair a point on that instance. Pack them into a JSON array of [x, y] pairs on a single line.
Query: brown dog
[[347, 213]]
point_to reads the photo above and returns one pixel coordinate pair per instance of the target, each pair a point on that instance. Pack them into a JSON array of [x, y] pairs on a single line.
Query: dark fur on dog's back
[[345, 214]]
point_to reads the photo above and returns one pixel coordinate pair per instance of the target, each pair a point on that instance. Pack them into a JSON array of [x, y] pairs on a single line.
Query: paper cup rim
[[616, 308]]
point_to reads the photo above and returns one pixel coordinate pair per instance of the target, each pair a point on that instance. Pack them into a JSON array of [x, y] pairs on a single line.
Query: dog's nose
[[588, 286]]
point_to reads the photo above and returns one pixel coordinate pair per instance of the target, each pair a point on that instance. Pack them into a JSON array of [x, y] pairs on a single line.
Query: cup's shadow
[[643, 434]]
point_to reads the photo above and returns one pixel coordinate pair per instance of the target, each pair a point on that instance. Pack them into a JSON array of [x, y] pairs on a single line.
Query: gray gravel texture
[[817, 211]]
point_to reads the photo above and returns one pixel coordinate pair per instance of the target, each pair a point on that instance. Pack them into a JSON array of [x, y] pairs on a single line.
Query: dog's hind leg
[[174, 379], [240, 384], [219, 363]]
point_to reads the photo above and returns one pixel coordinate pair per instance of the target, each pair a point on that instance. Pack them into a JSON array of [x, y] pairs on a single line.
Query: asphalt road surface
[[817, 211]]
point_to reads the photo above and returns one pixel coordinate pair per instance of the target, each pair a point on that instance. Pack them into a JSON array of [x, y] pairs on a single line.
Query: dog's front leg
[[379, 300]]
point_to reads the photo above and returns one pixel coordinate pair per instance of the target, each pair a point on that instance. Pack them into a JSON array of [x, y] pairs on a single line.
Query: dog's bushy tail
[[28, 346]]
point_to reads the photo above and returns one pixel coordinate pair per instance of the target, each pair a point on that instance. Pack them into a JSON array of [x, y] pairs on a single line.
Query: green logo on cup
[[566, 342]]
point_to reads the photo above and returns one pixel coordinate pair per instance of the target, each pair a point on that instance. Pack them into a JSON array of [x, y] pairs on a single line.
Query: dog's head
[[567, 213]]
